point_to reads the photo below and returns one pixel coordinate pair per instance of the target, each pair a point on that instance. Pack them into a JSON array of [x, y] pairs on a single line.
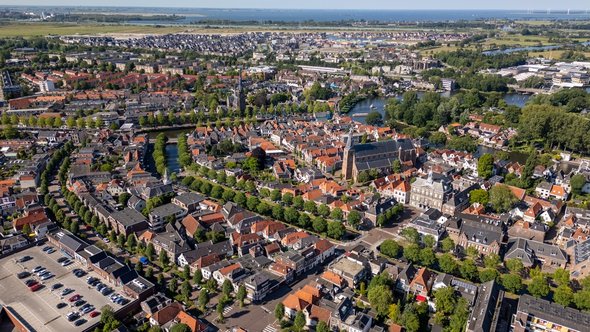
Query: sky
[[323, 4]]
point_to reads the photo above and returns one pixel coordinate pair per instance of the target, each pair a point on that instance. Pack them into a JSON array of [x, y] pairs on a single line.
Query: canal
[[378, 103], [171, 150]]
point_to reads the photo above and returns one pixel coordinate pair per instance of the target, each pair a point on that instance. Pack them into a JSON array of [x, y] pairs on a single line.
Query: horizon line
[[270, 8]]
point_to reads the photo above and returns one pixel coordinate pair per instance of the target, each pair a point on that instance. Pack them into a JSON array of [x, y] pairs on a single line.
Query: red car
[[94, 314], [35, 287], [74, 298]]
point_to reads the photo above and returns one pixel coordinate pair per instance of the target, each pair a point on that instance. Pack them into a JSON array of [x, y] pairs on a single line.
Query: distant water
[[363, 107], [332, 15]]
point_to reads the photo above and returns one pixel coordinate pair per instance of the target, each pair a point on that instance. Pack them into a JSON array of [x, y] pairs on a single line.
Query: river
[[379, 103]]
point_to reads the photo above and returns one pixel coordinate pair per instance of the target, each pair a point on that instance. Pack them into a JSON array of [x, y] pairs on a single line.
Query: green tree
[[172, 285], [180, 327], [501, 198], [279, 311], [468, 270], [150, 251], [563, 295], [394, 312], [241, 295], [319, 225], [163, 258], [27, 229], [447, 263], [411, 234], [447, 244], [336, 214], [480, 196], [390, 248], [561, 277], [412, 252], [514, 265], [458, 320], [299, 322], [227, 287], [322, 327], [354, 218], [512, 282], [577, 182], [219, 311], [380, 298], [198, 277], [487, 275], [445, 300], [186, 272], [428, 241], [185, 290], [336, 230], [485, 166], [539, 286], [203, 299], [491, 260], [427, 256]]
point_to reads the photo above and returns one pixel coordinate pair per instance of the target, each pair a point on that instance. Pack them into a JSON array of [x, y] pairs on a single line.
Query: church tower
[[348, 157]]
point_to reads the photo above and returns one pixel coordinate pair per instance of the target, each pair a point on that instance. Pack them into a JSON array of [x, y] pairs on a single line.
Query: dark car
[[24, 259], [62, 259], [73, 317], [24, 274], [79, 273], [61, 305], [79, 303], [56, 286], [80, 322]]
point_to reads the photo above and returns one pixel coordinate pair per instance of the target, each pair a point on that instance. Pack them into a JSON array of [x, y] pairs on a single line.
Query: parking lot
[[39, 308]]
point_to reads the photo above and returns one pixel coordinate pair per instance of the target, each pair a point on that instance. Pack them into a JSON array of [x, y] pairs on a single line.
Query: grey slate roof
[[553, 312]]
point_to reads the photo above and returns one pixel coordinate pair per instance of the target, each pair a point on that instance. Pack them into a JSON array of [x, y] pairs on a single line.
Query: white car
[[47, 276]]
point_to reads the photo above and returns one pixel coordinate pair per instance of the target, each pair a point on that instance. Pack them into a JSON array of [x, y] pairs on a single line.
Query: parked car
[[24, 259], [79, 273], [66, 263], [36, 287], [79, 303], [80, 322], [75, 298], [42, 272], [66, 291], [37, 269], [94, 314], [46, 248], [57, 286], [61, 305], [31, 282], [87, 309], [62, 259], [50, 251], [73, 317], [47, 276], [90, 280], [24, 274]]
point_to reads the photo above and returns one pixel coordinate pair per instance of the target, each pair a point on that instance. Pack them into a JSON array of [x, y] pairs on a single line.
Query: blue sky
[[324, 4]]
